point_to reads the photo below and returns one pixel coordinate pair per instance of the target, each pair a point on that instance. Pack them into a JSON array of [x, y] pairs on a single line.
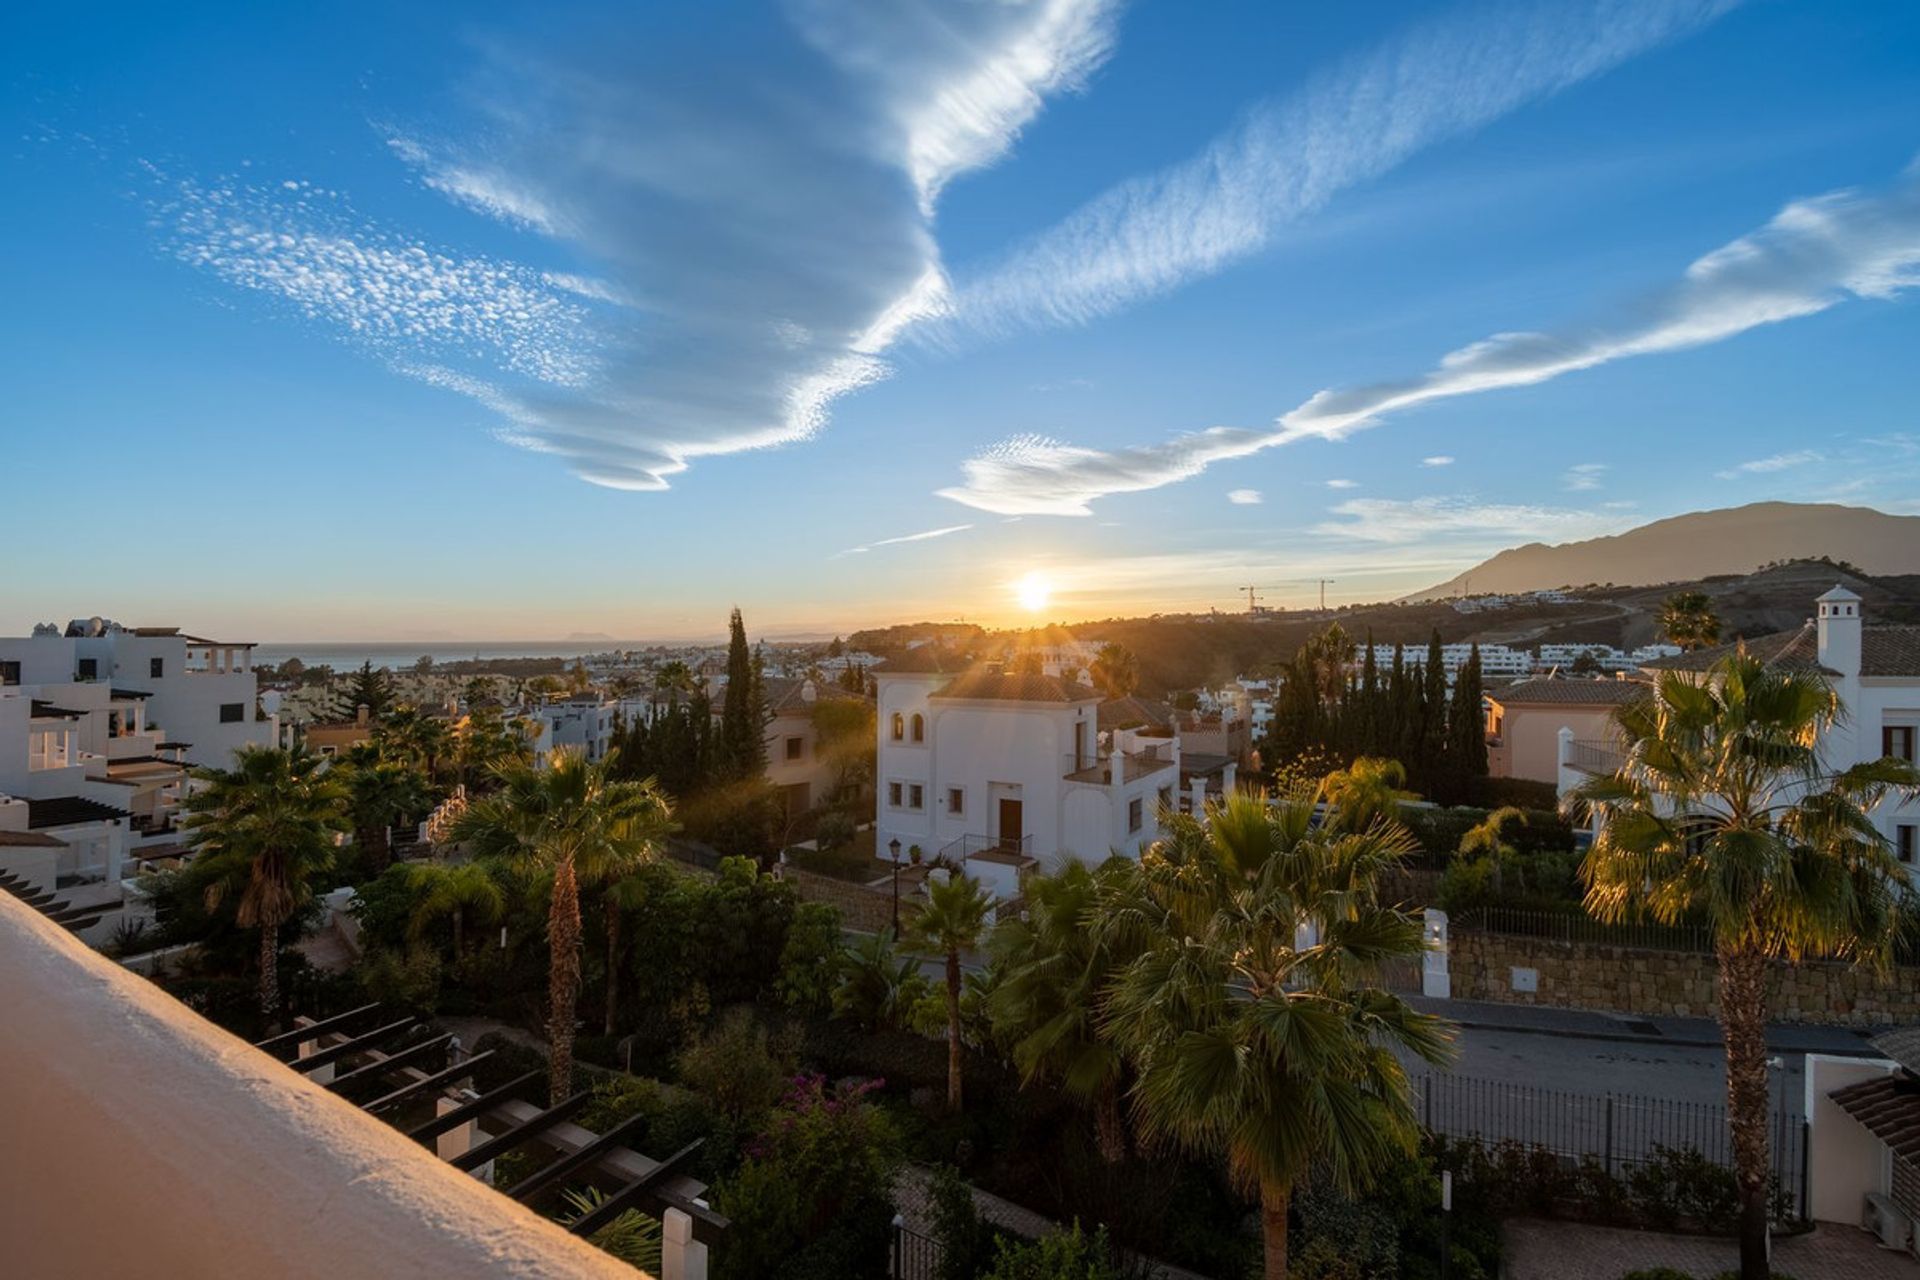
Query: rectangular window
[[89, 669], [795, 746], [9, 672], [956, 800], [1896, 740], [157, 667], [893, 794], [916, 797], [1136, 816], [1903, 841], [232, 712]]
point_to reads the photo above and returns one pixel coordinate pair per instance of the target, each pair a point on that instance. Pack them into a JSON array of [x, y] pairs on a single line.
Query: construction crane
[[1323, 592], [1253, 604]]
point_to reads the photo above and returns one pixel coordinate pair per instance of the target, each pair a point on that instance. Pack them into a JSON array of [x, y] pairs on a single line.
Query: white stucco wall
[[142, 1140], [1844, 1161]]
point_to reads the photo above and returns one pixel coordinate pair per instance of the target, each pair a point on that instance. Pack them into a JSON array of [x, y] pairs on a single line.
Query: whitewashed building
[[99, 726], [1876, 673], [998, 771]]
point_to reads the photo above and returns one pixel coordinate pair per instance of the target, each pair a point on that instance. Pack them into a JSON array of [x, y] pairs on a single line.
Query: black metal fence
[[1618, 1131], [913, 1256], [1576, 926]]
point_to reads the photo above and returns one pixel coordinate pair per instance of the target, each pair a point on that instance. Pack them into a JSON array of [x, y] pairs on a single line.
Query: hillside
[[1702, 544]]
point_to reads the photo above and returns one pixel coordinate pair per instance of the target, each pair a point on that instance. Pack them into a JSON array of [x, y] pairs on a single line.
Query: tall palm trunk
[[1274, 1198], [1108, 1126], [613, 962], [563, 978], [953, 1030], [459, 932], [269, 969], [1743, 1021]]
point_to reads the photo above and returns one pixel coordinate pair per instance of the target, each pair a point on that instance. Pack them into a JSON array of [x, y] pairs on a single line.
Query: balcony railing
[[1099, 768], [1595, 757], [959, 850]]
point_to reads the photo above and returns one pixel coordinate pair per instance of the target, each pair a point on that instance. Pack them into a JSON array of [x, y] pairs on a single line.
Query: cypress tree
[[1367, 720], [1431, 761], [1468, 727], [741, 751]]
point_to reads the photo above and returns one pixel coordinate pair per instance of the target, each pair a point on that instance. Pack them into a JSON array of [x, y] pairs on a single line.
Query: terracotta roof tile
[[1569, 692], [984, 683]]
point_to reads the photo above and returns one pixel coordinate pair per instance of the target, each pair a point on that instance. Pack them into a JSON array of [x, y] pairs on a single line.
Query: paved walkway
[[1542, 1250], [1635, 1028]]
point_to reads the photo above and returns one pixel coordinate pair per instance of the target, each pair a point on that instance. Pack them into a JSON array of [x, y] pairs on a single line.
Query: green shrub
[[964, 1239], [810, 958], [812, 1201], [1059, 1255], [737, 1066], [1344, 1239]]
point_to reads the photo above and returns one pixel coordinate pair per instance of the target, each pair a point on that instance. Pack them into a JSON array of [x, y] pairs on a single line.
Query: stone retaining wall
[[1579, 975], [860, 907]]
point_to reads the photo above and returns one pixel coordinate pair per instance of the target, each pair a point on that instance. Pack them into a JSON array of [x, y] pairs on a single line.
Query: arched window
[[899, 727], [919, 727]]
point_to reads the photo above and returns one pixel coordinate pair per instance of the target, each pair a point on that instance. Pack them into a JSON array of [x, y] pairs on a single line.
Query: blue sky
[[482, 322]]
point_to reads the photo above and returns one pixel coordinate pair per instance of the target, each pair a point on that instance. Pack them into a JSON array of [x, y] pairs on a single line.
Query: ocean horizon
[[344, 654]]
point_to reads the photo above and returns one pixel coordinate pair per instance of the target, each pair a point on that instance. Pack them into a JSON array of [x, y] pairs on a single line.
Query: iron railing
[[1618, 1131], [913, 1256], [1573, 926], [1595, 757]]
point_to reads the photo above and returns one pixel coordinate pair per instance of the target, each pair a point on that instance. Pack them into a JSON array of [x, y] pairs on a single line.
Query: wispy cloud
[[1771, 463], [1290, 156], [1583, 477], [1425, 519], [1814, 254], [1437, 460], [1244, 497], [725, 254], [1343, 484], [924, 535]]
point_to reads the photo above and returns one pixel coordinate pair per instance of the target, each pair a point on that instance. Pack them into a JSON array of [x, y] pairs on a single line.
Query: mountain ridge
[[1699, 544]]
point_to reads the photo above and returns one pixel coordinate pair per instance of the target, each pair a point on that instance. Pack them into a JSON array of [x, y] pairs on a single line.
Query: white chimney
[[1839, 625]]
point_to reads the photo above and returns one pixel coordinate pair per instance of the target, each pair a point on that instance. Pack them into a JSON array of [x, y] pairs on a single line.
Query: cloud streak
[[1425, 519], [711, 260], [1768, 465], [1289, 157], [926, 535], [1814, 254]]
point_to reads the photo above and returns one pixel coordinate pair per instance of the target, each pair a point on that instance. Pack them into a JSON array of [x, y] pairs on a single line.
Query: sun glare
[[1033, 591]]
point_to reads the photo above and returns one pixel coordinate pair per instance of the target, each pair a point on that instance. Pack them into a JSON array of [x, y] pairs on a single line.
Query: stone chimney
[[362, 714], [1839, 627]]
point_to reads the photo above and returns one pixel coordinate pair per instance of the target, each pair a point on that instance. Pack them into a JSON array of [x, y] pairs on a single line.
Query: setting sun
[[1033, 592]]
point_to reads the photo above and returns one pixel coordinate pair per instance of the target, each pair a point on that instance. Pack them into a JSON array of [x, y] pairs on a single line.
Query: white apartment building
[[1608, 657], [999, 771], [1874, 670], [201, 692], [99, 726], [586, 722], [1496, 660]]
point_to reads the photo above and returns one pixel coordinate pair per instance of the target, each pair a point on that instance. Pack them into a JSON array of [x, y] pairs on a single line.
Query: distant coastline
[[342, 655]]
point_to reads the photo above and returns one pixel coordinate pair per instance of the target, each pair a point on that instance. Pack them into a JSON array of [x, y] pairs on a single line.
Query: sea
[[343, 655]]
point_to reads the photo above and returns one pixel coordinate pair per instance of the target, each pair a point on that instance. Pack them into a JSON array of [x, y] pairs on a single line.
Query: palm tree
[[1366, 792], [379, 794], [466, 893], [1055, 970], [1115, 671], [1687, 619], [1724, 813], [574, 819], [621, 889], [877, 986], [261, 831], [1251, 1013], [953, 921], [1489, 837]]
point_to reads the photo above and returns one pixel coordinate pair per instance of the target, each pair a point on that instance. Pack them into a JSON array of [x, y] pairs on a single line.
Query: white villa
[[1875, 671], [997, 771], [99, 725]]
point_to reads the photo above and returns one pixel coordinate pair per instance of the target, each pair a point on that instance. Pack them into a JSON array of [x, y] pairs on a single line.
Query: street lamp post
[[893, 852]]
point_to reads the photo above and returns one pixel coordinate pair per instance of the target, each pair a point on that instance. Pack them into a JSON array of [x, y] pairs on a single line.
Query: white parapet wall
[[140, 1139], [1844, 1162]]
